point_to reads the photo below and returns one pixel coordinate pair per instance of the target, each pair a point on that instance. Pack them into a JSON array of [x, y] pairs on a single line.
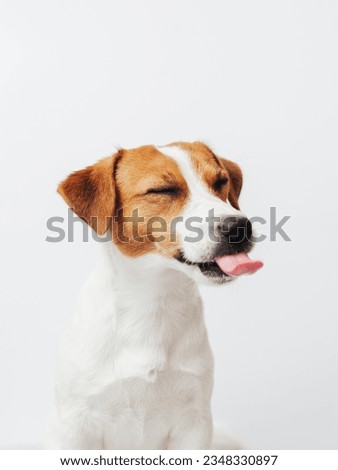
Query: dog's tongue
[[236, 265]]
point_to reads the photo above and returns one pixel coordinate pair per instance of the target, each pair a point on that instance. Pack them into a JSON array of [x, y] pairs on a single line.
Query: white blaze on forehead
[[195, 183]]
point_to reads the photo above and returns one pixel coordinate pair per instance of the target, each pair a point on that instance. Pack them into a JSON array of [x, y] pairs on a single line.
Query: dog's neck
[[147, 279]]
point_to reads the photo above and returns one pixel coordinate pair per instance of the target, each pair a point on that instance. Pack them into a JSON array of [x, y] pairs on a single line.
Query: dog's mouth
[[227, 266]]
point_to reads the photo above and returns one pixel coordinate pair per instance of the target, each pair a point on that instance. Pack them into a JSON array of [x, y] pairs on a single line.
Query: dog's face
[[179, 202]]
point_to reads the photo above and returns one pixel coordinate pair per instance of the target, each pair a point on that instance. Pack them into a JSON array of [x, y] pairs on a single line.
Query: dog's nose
[[235, 230]]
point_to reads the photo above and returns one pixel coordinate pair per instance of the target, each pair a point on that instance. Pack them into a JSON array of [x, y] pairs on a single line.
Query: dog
[[135, 369]]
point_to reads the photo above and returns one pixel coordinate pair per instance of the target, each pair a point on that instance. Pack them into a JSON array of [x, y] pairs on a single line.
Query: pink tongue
[[236, 265]]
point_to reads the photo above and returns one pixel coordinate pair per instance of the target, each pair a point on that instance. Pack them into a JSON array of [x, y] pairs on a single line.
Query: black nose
[[236, 230]]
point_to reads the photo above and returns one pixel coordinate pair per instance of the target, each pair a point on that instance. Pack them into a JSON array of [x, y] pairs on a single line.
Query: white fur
[[135, 366]]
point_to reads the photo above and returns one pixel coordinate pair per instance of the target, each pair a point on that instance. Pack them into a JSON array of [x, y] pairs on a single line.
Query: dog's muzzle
[[229, 256]]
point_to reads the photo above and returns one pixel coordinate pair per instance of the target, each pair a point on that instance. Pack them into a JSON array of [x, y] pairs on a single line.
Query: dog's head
[[179, 202]]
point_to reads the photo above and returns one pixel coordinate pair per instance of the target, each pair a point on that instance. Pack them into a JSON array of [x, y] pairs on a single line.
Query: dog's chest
[[155, 368], [144, 410]]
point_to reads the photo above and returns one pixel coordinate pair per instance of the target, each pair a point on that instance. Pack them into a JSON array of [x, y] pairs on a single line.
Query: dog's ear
[[90, 193], [236, 180]]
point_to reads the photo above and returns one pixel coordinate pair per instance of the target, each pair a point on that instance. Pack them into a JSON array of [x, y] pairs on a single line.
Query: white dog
[[135, 366]]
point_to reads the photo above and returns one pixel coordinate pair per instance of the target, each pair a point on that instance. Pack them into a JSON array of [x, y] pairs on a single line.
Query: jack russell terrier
[[135, 368]]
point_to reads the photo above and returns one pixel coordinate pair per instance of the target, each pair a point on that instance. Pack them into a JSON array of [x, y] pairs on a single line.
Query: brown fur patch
[[236, 181], [137, 172], [214, 169], [90, 193]]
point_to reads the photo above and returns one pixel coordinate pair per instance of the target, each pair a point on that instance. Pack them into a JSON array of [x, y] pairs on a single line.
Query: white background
[[258, 80]]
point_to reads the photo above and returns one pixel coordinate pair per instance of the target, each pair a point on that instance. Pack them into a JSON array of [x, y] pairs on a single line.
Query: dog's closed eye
[[165, 191]]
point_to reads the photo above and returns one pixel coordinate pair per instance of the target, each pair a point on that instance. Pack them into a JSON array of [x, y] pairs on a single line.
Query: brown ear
[[236, 181], [90, 193]]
